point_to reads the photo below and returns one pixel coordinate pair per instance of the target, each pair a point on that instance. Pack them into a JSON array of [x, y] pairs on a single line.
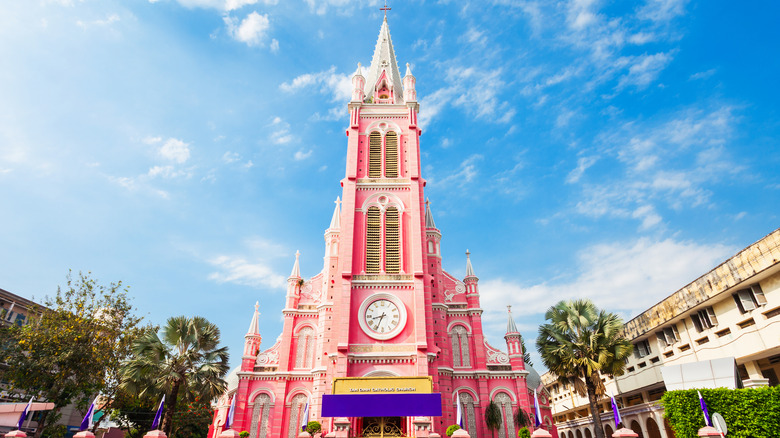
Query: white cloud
[[281, 133], [466, 172], [230, 157], [222, 5], [110, 19], [320, 7], [703, 74], [274, 46], [236, 269], [644, 70], [337, 85], [583, 163], [627, 277], [175, 150], [301, 155], [662, 10], [252, 29]]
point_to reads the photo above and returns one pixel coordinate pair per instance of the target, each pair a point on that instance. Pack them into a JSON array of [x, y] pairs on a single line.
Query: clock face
[[382, 316]]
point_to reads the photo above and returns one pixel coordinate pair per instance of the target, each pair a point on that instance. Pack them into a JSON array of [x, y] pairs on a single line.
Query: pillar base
[[304, 434], [541, 433], [461, 433], [84, 434], [755, 383], [157, 433], [709, 431], [15, 434], [625, 432], [229, 433]]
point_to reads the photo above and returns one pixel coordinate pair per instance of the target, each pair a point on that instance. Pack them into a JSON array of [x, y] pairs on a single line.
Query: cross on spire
[[385, 9]]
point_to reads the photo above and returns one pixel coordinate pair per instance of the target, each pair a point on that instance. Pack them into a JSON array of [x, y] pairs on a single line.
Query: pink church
[[382, 308]]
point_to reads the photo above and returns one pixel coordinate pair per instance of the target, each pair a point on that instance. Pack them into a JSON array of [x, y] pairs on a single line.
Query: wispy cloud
[[281, 131], [252, 30], [250, 269]]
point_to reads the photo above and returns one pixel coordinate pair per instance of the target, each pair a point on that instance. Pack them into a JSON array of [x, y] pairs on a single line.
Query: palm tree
[[493, 416], [579, 344], [186, 358]]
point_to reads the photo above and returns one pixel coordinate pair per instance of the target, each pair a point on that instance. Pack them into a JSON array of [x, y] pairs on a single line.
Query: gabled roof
[[384, 59]]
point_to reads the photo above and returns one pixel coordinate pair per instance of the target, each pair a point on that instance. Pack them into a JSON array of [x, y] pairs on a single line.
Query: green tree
[[521, 418], [526, 354], [193, 421], [451, 429], [71, 349], [313, 427], [523, 433], [186, 358], [578, 344], [493, 417]]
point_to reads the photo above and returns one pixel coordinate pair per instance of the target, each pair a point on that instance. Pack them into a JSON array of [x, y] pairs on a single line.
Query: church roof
[[469, 268], [384, 59]]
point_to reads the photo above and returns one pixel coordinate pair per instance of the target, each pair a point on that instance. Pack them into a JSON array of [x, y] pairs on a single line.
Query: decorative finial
[[467, 253], [257, 306], [338, 202], [297, 254], [385, 9], [509, 308], [427, 202]]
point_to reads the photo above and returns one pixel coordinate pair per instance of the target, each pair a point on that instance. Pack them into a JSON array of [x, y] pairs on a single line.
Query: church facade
[[382, 306]]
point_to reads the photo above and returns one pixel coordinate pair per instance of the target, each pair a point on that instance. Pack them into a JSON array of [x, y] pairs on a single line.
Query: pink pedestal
[[709, 431], [461, 433], [434, 435], [541, 433], [624, 432], [15, 434], [304, 434], [84, 434], [422, 427], [229, 433], [341, 426], [157, 433]]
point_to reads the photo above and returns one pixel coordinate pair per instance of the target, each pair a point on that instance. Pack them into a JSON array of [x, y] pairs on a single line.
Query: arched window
[[467, 404], [260, 413], [392, 249], [375, 155], [373, 240], [391, 155], [305, 350], [507, 429], [297, 404], [460, 347]]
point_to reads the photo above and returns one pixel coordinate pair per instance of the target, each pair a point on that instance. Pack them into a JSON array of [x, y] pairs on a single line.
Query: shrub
[[523, 433], [243, 434], [452, 429], [313, 427], [749, 413]]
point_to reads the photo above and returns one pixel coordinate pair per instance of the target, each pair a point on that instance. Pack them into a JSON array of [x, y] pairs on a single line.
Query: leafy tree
[[193, 421], [187, 359], [134, 414], [72, 348], [578, 344], [451, 429], [493, 416], [526, 354], [521, 418], [313, 427]]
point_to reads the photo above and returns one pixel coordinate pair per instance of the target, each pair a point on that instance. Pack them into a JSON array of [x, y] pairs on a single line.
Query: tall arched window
[[305, 350], [375, 155], [392, 241], [373, 240], [508, 427], [467, 403], [296, 410], [391, 155], [460, 346], [260, 413]]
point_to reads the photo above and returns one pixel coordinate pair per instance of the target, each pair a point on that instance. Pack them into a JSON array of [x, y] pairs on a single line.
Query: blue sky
[[611, 150]]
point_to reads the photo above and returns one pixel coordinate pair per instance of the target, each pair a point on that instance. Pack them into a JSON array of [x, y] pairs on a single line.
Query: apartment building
[[733, 311]]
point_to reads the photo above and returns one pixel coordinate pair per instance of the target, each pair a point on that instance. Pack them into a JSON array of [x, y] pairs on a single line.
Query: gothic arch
[[392, 201], [465, 325], [468, 404], [297, 391], [388, 126], [587, 433], [461, 389], [259, 391], [578, 434], [297, 404], [505, 389], [608, 431], [653, 431], [504, 401], [303, 325], [637, 428], [304, 347], [261, 412], [461, 346], [381, 373]]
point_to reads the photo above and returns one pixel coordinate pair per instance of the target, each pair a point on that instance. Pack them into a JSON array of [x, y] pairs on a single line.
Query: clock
[[382, 316]]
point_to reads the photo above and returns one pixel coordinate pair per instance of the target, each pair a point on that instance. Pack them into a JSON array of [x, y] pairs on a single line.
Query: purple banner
[[381, 405]]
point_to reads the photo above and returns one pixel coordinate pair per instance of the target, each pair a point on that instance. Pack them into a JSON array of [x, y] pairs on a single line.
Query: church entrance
[[381, 427]]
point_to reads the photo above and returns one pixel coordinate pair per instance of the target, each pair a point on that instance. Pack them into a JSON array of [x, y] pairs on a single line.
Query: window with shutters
[[467, 404], [461, 356], [668, 336], [375, 155], [704, 319], [507, 429], [260, 413], [750, 298], [373, 240], [642, 349], [391, 155], [297, 405], [392, 241]]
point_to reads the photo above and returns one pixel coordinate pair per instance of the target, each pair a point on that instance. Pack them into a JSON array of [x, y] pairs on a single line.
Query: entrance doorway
[[381, 427]]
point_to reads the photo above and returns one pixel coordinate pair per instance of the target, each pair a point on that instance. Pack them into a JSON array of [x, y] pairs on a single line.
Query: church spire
[[428, 216], [384, 62], [469, 268], [510, 324], [296, 270], [254, 325], [335, 221]]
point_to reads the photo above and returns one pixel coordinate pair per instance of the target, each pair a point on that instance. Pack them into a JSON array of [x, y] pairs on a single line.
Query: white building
[[733, 311]]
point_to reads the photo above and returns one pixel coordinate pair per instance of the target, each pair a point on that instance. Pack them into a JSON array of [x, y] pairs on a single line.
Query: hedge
[[749, 413]]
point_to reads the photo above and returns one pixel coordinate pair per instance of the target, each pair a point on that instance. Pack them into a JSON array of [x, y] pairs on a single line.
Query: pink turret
[[410, 94], [513, 342], [252, 341], [471, 281], [294, 283], [358, 84]]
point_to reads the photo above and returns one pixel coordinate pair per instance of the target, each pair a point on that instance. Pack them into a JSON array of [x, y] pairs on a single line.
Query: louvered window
[[375, 155], [391, 155], [461, 356], [373, 240], [392, 253], [750, 298]]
